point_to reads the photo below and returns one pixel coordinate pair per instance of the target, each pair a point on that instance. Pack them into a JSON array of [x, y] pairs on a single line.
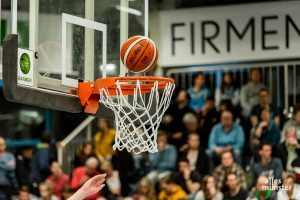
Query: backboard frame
[[86, 23]]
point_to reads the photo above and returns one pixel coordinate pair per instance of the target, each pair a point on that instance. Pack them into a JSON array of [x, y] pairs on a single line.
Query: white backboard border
[[71, 19]]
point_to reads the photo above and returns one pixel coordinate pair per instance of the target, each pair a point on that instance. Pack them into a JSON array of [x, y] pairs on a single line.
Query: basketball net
[[146, 113]]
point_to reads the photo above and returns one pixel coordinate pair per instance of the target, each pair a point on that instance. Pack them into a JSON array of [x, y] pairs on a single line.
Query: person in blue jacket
[[198, 93], [163, 162], [226, 136]]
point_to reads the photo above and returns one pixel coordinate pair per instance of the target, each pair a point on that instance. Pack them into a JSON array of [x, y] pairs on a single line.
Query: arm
[[244, 101], [240, 140], [10, 164], [43, 160], [218, 98], [154, 159], [92, 186], [236, 97], [276, 135], [278, 170], [206, 160], [170, 162], [212, 140]]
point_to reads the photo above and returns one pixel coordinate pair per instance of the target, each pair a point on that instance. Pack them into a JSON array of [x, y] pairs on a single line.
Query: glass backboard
[[74, 39]]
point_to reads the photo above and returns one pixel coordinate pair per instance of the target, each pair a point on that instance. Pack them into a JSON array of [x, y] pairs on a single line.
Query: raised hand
[[90, 187]]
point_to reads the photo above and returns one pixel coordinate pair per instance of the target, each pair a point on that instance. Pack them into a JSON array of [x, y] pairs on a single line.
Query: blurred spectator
[[46, 191], [289, 149], [84, 152], [264, 104], [170, 190], [104, 139], [229, 166], [23, 166], [224, 136], [58, 178], [266, 131], [289, 190], [209, 190], [41, 161], [198, 93], [82, 174], [293, 122], [235, 190], [296, 169], [66, 192], [145, 190], [197, 157], [208, 117], [227, 91], [262, 190], [250, 91], [8, 181], [268, 166], [24, 194], [172, 121], [164, 161], [188, 180], [123, 162], [112, 180], [191, 126], [227, 105]]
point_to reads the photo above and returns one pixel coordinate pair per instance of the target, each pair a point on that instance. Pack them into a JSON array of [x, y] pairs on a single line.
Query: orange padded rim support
[[128, 84], [88, 92]]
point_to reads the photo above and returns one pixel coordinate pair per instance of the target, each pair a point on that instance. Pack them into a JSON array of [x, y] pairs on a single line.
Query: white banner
[[248, 32]]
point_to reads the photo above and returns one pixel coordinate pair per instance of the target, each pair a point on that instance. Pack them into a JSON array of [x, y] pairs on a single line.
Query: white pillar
[[14, 16], [89, 45]]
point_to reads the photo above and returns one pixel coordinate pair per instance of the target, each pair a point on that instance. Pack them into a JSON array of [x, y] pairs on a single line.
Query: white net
[[137, 118]]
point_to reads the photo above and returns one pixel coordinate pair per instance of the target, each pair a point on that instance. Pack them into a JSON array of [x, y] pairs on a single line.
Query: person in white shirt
[[289, 190]]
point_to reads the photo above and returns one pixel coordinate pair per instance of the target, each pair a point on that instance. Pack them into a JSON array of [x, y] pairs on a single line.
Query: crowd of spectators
[[228, 143]]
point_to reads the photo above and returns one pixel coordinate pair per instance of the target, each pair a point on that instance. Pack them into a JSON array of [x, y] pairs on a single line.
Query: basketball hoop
[[137, 118]]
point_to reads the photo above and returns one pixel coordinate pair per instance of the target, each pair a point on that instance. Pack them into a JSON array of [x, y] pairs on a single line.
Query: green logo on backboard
[[25, 63]]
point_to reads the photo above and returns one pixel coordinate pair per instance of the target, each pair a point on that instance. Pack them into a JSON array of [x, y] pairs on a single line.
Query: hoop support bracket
[[89, 92]]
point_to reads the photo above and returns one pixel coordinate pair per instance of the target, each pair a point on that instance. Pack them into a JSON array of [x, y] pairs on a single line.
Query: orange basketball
[[139, 54]]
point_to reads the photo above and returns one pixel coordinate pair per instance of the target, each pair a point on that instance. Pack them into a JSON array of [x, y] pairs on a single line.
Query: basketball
[[139, 54]]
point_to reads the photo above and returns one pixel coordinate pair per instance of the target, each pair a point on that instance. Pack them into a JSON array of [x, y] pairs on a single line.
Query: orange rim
[[128, 84]]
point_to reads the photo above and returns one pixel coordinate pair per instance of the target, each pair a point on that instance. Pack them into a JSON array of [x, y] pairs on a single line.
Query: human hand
[[183, 148], [116, 192], [263, 124], [293, 142], [212, 191], [90, 187], [167, 119], [219, 150], [177, 135], [228, 148]]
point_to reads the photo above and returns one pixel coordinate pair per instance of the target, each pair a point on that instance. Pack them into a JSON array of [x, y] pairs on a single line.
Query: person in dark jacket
[[289, 149], [188, 180], [267, 166], [266, 131], [23, 166], [41, 162], [235, 190], [172, 121], [197, 157]]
